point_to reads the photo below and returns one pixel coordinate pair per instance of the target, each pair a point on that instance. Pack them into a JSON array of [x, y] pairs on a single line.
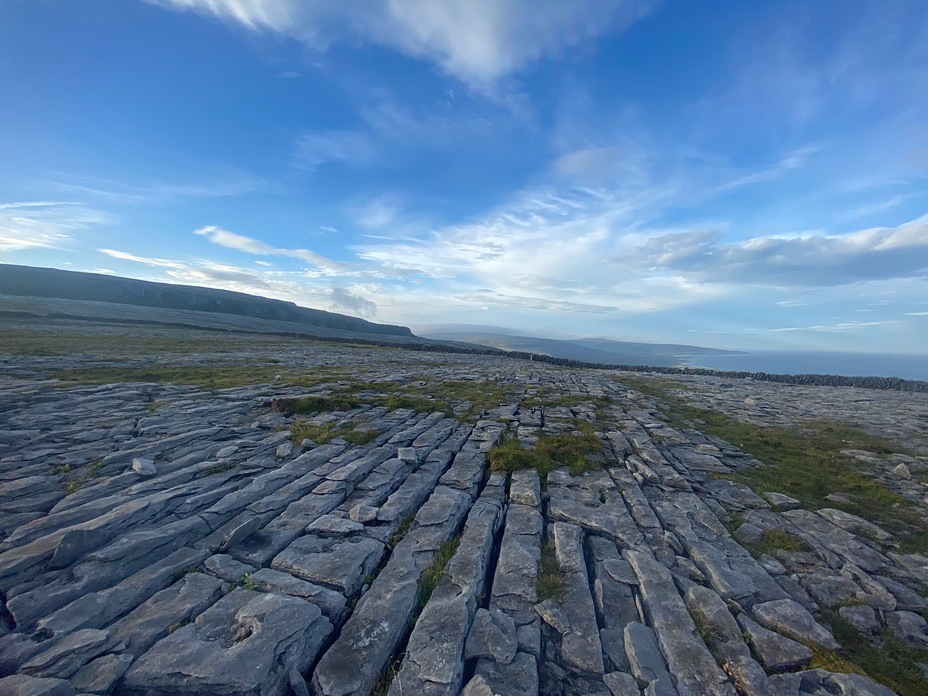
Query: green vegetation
[[383, 686], [887, 660], [207, 377], [551, 452], [550, 583], [219, 468], [186, 570], [707, 630], [401, 531], [777, 540], [88, 474], [246, 583], [655, 386], [807, 463], [62, 469], [321, 434], [433, 574]]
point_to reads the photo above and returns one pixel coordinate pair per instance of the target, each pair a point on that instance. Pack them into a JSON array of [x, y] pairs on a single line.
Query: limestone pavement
[[165, 539]]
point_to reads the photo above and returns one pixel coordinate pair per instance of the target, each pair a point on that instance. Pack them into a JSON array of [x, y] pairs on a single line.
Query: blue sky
[[749, 174]]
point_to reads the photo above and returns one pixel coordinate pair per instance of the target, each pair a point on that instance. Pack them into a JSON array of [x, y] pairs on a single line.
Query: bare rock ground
[[157, 538]]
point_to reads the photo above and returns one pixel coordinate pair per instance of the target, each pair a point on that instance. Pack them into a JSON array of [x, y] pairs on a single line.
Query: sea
[[846, 364]]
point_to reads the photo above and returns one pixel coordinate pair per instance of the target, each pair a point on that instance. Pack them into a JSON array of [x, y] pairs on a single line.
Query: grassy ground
[[552, 451], [321, 434], [891, 663], [807, 463], [550, 583]]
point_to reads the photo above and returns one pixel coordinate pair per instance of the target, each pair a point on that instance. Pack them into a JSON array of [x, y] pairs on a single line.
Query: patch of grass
[[88, 474], [321, 434], [219, 468], [654, 386], [401, 531], [550, 583], [433, 574], [383, 686], [186, 570], [315, 404], [246, 583], [419, 404], [552, 451], [62, 469], [806, 463], [707, 630], [888, 660], [777, 540]]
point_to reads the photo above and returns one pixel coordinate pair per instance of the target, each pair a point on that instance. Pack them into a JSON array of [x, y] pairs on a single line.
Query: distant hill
[[592, 350], [93, 287]]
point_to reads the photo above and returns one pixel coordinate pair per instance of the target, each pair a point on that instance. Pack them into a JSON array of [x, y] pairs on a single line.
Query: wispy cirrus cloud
[[46, 224], [250, 245], [113, 191], [477, 41]]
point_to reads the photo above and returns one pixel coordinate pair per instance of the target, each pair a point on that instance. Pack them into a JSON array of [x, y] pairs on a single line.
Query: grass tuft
[[550, 583], [433, 574], [552, 451]]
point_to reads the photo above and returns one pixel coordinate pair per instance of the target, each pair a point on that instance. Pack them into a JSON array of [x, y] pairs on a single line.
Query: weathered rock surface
[[167, 539]]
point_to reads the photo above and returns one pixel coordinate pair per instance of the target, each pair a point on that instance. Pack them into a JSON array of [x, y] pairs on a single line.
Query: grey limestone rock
[[780, 501], [688, 659], [789, 618], [908, 627], [332, 603], [519, 678], [154, 618], [24, 685], [621, 684], [644, 656], [580, 647], [332, 562], [144, 466], [525, 488], [776, 653], [493, 635], [101, 675], [69, 654], [552, 613], [246, 644], [861, 617], [227, 568]]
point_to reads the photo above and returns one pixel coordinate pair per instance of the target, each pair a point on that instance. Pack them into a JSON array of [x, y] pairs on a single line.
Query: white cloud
[[804, 261], [376, 213], [224, 186], [249, 245], [315, 149], [146, 260], [45, 224], [345, 300], [478, 41]]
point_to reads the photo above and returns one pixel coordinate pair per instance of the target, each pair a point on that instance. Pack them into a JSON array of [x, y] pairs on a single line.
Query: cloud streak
[[45, 224], [249, 245], [477, 41]]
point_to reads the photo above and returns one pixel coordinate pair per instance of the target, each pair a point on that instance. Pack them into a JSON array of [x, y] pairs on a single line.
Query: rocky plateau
[[165, 538]]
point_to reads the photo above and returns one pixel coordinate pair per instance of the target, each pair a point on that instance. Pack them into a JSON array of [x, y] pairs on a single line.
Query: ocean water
[[846, 364]]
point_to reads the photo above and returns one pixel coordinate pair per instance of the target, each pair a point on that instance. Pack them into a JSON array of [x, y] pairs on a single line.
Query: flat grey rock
[[775, 652], [24, 685], [492, 635], [789, 618], [332, 562], [247, 643]]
